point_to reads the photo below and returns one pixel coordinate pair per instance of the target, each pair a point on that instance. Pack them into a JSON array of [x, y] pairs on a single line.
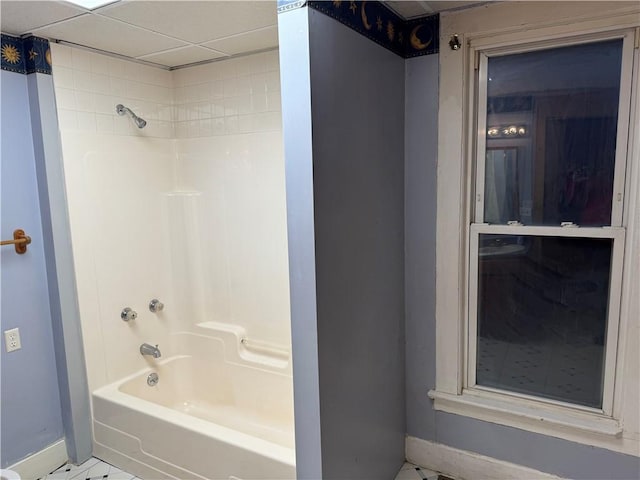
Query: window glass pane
[[551, 135], [542, 315]]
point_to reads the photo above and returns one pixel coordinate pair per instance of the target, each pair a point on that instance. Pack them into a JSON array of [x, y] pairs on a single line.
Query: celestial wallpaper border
[[374, 20], [25, 55]]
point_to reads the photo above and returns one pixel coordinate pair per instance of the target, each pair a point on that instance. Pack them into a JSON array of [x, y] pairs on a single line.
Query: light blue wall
[[548, 454], [30, 403]]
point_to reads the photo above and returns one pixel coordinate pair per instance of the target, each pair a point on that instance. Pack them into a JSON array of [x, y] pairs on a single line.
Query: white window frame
[[615, 426], [617, 234]]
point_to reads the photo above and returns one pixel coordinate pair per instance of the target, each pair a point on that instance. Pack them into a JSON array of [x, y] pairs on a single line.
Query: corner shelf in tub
[[254, 351]]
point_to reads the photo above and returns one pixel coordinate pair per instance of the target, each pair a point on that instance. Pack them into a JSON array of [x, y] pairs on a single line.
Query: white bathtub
[[217, 412]]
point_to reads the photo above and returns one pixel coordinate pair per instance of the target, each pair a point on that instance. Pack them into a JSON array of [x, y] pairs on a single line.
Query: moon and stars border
[[25, 55], [374, 20]]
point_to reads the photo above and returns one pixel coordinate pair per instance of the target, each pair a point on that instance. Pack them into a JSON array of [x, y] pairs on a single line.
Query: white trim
[[472, 314], [490, 405], [481, 134], [463, 464], [627, 396], [622, 139], [43, 462], [616, 233], [555, 25]]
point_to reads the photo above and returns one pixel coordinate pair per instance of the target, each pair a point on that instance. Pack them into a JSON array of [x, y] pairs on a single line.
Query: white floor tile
[[117, 474], [408, 474], [413, 472], [92, 469], [97, 470]]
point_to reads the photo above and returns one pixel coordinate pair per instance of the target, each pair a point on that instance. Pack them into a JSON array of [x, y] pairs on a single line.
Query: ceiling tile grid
[[20, 17], [164, 33]]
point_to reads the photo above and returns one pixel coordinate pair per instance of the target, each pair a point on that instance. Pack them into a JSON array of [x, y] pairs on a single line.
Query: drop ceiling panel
[[446, 5], [418, 9], [110, 35], [195, 22], [182, 56], [246, 42], [19, 17]]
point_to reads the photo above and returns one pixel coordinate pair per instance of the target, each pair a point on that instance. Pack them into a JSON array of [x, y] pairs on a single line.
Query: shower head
[[140, 122]]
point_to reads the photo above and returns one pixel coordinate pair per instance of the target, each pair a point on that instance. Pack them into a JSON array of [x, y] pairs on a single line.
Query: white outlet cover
[[12, 340]]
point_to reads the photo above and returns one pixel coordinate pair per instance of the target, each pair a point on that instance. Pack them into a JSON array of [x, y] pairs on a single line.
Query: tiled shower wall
[[89, 86], [233, 96], [208, 167]]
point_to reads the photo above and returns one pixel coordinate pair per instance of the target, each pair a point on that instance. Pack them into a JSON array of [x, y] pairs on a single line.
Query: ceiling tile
[[109, 35], [409, 10], [443, 5], [246, 42], [20, 17], [182, 56], [195, 22]]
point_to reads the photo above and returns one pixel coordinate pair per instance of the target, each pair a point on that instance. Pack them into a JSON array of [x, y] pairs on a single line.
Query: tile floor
[[413, 472], [94, 469]]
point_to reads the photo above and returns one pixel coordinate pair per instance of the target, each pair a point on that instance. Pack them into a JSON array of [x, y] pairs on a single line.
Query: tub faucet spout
[[146, 349]]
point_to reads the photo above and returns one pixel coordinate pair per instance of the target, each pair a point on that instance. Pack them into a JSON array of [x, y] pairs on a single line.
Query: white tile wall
[[240, 95], [89, 85]]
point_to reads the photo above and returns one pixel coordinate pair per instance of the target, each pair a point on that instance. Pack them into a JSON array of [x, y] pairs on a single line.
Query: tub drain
[[153, 379]]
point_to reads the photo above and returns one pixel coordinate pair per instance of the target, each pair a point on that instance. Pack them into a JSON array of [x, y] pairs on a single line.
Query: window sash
[[622, 133], [617, 234]]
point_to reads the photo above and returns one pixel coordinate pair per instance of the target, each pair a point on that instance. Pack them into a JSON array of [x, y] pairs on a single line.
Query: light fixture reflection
[[507, 131]]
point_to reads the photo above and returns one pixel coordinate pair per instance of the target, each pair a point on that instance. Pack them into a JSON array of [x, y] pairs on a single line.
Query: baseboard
[[42, 462], [467, 465]]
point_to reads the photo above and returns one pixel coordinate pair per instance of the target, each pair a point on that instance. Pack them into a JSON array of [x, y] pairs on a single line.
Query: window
[[538, 222], [547, 239]]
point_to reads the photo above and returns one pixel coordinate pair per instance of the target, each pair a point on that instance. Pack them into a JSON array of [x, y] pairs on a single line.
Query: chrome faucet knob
[[156, 305], [127, 314]]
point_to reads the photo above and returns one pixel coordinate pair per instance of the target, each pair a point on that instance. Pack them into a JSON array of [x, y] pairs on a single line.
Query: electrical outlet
[[12, 339]]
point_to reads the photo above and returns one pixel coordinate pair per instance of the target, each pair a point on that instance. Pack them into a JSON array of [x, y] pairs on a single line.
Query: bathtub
[[218, 411]]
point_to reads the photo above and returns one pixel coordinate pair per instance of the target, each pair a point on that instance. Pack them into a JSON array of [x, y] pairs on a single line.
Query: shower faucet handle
[[156, 305], [127, 314]]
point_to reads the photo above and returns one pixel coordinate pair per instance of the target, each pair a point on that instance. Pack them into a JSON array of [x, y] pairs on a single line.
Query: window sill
[[562, 422]]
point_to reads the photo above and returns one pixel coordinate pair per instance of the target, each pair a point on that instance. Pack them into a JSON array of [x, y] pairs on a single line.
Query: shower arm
[[122, 110]]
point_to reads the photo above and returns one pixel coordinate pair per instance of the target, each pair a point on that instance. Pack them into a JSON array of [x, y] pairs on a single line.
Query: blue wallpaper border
[[25, 55], [374, 20]]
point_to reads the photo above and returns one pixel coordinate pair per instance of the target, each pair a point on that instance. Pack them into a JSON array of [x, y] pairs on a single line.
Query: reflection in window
[[551, 135], [542, 315]]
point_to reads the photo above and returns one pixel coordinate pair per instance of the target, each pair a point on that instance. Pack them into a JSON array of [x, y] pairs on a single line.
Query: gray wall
[[30, 414], [548, 454], [357, 93], [421, 149], [345, 198]]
